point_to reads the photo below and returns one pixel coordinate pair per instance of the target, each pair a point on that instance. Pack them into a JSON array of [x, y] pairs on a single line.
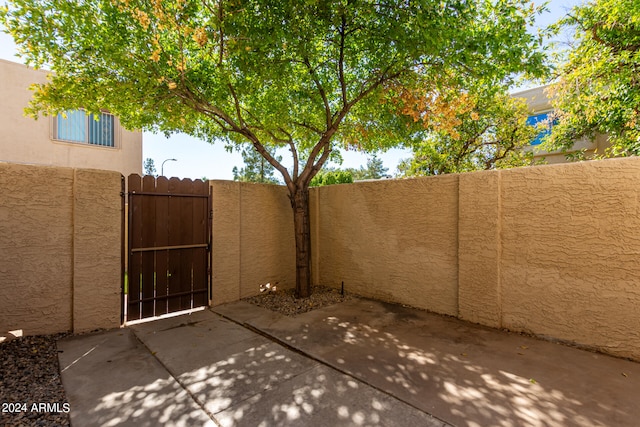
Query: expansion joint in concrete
[[183, 386], [296, 350]]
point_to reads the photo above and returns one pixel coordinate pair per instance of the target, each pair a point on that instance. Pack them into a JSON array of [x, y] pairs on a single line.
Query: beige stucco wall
[[60, 236], [479, 249], [36, 238], [569, 265], [550, 250], [25, 140], [97, 251], [392, 240], [252, 239]]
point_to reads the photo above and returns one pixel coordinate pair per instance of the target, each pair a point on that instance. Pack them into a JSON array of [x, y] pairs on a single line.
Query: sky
[[198, 159]]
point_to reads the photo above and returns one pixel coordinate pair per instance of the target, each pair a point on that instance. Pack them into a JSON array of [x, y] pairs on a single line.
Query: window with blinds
[[78, 126]]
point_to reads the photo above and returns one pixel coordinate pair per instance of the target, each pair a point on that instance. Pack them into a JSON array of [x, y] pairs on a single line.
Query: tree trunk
[[302, 227]]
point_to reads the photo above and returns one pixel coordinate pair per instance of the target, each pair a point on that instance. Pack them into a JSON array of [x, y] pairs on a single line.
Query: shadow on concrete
[[356, 363], [242, 378], [110, 379], [461, 373]]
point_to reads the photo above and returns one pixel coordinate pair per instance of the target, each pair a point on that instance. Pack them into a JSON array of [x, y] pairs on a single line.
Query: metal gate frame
[[169, 246]]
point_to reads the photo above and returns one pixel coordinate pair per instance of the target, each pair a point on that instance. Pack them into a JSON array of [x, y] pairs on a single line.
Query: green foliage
[[256, 168], [488, 130], [375, 170], [149, 167], [330, 177], [598, 90], [309, 76]]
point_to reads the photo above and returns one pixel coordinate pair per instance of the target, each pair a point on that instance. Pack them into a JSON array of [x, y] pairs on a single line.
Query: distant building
[[540, 109], [74, 139]]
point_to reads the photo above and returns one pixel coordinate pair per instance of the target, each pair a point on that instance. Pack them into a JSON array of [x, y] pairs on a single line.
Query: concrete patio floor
[[360, 362]]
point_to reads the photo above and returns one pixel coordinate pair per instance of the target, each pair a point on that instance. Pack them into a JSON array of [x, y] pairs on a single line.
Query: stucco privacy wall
[[97, 249], [252, 242], [60, 246], [551, 250], [392, 240], [479, 250], [569, 265]]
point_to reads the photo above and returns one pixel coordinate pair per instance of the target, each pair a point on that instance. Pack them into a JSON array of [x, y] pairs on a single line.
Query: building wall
[[538, 102], [60, 240], [25, 140]]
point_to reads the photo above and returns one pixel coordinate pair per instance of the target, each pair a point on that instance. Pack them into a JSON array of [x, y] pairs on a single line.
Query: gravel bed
[[284, 301], [31, 391]]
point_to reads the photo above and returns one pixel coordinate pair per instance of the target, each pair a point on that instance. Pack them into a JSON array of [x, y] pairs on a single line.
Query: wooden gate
[[169, 242]]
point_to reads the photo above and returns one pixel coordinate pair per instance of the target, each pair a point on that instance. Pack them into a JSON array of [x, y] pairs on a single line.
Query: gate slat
[[135, 240], [186, 235], [148, 239], [175, 274], [162, 239], [200, 226]]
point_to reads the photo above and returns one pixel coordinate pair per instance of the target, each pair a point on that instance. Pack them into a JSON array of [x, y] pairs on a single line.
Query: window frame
[[115, 134], [537, 141]]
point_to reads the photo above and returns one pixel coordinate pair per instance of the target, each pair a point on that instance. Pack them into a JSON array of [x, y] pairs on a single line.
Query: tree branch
[[220, 22], [616, 48], [310, 127], [219, 116], [343, 85], [294, 154], [316, 81], [237, 105], [382, 78], [272, 160], [337, 118], [323, 158], [218, 13]]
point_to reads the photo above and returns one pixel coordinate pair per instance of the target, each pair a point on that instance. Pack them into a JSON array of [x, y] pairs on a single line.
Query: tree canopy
[[477, 128], [598, 89], [269, 73], [330, 177], [305, 75], [256, 168], [149, 167], [374, 170]]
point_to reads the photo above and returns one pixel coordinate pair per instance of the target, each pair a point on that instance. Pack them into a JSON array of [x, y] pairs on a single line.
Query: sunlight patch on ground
[[164, 316], [158, 398]]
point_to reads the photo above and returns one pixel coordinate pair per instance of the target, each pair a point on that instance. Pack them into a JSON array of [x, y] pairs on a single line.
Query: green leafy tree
[[598, 89], [309, 76], [256, 169], [149, 167], [467, 130], [330, 177], [375, 170]]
